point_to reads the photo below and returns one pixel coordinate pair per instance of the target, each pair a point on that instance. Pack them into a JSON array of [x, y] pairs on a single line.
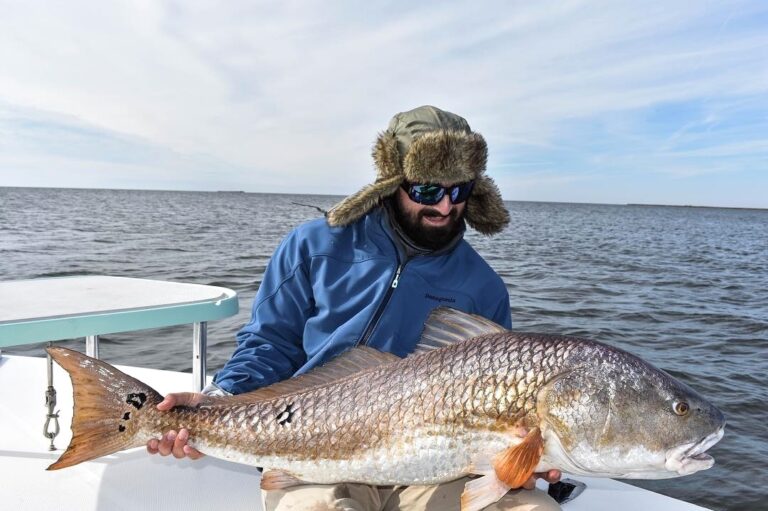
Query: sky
[[653, 102]]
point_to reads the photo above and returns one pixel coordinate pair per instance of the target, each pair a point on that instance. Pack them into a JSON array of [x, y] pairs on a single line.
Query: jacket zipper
[[383, 305], [397, 276]]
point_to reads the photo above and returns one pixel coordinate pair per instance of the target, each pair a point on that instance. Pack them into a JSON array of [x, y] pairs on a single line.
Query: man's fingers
[[172, 442], [179, 443], [179, 399], [192, 453], [188, 398], [551, 476], [165, 445], [186, 450], [167, 403]]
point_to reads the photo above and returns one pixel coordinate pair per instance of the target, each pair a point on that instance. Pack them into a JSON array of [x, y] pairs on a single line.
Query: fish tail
[[110, 408]]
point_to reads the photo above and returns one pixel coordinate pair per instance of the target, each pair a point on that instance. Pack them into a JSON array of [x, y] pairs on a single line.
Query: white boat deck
[[127, 480]]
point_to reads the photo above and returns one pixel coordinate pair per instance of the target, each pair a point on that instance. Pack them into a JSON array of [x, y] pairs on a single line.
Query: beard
[[428, 236]]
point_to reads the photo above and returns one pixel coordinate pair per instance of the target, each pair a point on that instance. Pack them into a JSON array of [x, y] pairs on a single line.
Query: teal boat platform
[[52, 309]]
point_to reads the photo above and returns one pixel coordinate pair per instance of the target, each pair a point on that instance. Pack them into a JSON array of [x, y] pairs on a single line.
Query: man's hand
[[552, 476], [171, 442]]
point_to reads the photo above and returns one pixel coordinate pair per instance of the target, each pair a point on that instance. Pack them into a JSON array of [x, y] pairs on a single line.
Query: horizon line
[[629, 204]]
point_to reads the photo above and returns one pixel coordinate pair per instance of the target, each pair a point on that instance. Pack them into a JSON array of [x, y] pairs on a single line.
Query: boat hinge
[[51, 430]]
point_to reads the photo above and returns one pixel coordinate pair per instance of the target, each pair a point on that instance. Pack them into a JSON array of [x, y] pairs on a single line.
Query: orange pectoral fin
[[515, 465], [277, 480]]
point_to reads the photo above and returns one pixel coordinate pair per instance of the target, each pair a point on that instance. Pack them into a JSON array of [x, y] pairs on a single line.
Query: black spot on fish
[[136, 400], [286, 415], [121, 428], [127, 416]]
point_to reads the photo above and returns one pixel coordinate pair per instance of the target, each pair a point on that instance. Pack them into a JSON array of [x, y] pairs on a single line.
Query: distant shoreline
[[694, 206], [239, 192]]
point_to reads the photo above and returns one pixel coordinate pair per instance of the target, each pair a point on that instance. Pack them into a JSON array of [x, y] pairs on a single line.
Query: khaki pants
[[361, 497]]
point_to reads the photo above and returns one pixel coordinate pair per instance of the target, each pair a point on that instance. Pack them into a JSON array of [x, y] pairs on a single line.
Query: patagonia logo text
[[440, 298]]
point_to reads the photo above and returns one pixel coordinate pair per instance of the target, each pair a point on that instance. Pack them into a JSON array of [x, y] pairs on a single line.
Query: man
[[370, 273]]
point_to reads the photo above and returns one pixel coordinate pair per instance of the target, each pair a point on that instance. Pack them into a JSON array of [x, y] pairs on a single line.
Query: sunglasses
[[432, 194]]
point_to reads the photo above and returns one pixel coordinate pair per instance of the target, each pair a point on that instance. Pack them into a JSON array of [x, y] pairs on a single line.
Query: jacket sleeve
[[497, 308], [269, 348], [503, 314]]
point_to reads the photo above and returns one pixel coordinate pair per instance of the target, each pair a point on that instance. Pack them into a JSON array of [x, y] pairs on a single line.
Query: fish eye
[[681, 407]]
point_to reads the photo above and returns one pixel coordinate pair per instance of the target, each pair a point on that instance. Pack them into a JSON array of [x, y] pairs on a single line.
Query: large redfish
[[474, 399]]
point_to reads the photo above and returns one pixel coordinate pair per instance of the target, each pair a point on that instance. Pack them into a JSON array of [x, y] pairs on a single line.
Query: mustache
[[435, 213]]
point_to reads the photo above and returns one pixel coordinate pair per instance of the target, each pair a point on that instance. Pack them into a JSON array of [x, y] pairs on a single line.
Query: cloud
[[44, 149], [291, 95]]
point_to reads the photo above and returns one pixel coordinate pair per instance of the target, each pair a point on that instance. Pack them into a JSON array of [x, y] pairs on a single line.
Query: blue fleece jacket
[[327, 289]]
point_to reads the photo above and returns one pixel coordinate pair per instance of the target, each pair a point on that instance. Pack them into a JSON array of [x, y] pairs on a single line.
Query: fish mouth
[[691, 457]]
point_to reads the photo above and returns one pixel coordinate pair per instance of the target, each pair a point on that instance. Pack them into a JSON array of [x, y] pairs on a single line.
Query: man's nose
[[444, 206]]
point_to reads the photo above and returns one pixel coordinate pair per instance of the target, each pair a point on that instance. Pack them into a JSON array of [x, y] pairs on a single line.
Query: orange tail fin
[[110, 407]]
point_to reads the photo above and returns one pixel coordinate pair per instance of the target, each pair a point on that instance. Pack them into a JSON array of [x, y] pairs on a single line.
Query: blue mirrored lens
[[429, 194], [461, 192]]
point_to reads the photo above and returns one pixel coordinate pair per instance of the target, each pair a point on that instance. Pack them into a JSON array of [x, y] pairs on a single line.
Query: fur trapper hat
[[429, 145]]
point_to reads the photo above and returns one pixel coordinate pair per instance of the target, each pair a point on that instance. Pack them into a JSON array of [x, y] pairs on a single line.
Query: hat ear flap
[[355, 206], [388, 178], [387, 157], [486, 212]]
